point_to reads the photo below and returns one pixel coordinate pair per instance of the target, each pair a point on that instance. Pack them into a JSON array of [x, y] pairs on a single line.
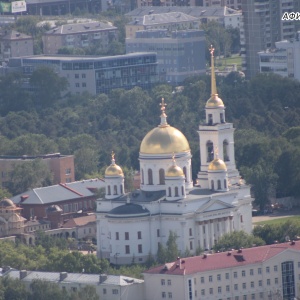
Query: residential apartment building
[[94, 74], [79, 35], [180, 54], [262, 27], [266, 272], [224, 15], [61, 166], [284, 60], [14, 44], [108, 287], [171, 21]]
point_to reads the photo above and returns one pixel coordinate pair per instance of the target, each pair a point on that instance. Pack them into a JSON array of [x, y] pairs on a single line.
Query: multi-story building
[[79, 35], [108, 287], [15, 44], [61, 166], [266, 272], [94, 74], [284, 60], [171, 21], [180, 54], [263, 26], [224, 15]]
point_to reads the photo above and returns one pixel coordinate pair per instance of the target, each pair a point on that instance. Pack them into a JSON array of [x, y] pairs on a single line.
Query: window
[[251, 272], [275, 268], [261, 295], [127, 236], [243, 273], [260, 282], [76, 75], [150, 177], [127, 249], [117, 235], [191, 245], [115, 190], [176, 191], [211, 291], [235, 274], [203, 292], [210, 119], [245, 297], [227, 275], [170, 295], [276, 280], [202, 279], [219, 184], [104, 291], [259, 271], [161, 176], [169, 282], [210, 279], [139, 235], [83, 75], [244, 285], [190, 232], [253, 296], [68, 171], [163, 282], [236, 287], [268, 269], [219, 277], [157, 232], [252, 284], [77, 85], [115, 292], [170, 192], [163, 295], [108, 190], [236, 298], [219, 290], [140, 248], [268, 281], [227, 288]]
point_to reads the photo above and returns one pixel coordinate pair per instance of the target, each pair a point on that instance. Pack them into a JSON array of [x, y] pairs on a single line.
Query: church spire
[[163, 116], [213, 75]]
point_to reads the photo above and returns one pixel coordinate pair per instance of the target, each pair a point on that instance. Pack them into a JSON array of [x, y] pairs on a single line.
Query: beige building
[[108, 287], [15, 44], [171, 21], [61, 166], [79, 35], [266, 272]]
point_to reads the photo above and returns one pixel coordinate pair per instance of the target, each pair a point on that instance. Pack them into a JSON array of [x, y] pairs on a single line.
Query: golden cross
[[163, 105], [112, 155], [211, 50], [173, 157], [217, 152]]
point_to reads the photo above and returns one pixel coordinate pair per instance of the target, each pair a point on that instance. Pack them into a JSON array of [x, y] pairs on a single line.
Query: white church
[[132, 225]]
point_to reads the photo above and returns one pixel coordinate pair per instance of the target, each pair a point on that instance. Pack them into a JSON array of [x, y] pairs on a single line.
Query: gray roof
[[195, 11], [91, 279], [129, 210], [81, 28], [59, 192], [15, 35]]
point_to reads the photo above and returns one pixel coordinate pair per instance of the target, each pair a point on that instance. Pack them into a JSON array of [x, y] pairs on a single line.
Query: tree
[[161, 256], [43, 290], [87, 293], [172, 249], [48, 86], [237, 240], [14, 289], [86, 161]]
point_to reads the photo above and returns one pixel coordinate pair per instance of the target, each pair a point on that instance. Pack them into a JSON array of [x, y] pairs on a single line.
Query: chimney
[[23, 274], [102, 278], [63, 275]]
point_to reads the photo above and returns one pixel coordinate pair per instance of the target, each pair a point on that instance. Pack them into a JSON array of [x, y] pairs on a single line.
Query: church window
[[115, 190], [210, 151], [142, 177], [139, 235], [203, 229], [191, 245], [150, 177], [170, 192], [184, 172], [176, 191], [210, 119], [241, 219], [108, 190], [161, 176], [140, 248], [182, 191], [219, 184], [126, 235], [190, 232], [212, 185], [117, 235], [158, 233], [121, 189], [225, 150], [225, 183], [127, 249], [163, 282], [222, 118]]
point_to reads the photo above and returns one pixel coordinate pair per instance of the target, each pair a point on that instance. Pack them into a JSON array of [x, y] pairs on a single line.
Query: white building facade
[[131, 226]]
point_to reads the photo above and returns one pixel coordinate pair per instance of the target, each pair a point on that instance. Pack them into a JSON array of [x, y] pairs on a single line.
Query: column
[[226, 221], [207, 236], [200, 235], [212, 233], [231, 223]]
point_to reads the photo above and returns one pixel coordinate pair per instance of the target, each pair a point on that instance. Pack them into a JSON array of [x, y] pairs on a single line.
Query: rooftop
[[15, 35], [80, 221]]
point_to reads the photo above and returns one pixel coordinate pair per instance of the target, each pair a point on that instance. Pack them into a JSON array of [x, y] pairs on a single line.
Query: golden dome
[[214, 101], [113, 169], [174, 171], [217, 165], [163, 140]]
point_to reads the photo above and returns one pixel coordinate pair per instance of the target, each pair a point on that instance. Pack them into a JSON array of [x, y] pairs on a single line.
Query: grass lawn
[[279, 221], [236, 59]]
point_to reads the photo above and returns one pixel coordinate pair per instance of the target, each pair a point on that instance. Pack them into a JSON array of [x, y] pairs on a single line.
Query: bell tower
[[216, 133]]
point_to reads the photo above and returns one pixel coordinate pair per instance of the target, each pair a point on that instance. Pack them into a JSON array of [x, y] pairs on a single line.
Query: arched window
[[219, 185], [121, 189], [142, 176], [210, 119], [161, 176], [210, 151], [115, 190], [225, 150], [176, 191], [182, 191], [184, 172], [222, 119], [150, 177], [212, 185], [170, 192], [225, 183], [108, 190]]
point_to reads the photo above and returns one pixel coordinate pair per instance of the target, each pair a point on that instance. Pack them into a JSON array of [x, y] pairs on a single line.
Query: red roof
[[234, 258]]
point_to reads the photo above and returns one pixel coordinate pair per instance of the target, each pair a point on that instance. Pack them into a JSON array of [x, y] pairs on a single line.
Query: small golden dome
[[217, 165], [163, 140], [113, 169], [214, 101], [174, 171]]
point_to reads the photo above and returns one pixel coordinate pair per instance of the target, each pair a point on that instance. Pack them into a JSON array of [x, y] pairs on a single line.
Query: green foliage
[[237, 240], [44, 290]]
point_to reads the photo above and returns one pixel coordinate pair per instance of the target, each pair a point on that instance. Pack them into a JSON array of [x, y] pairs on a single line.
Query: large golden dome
[[164, 140], [217, 165], [174, 171], [214, 101]]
